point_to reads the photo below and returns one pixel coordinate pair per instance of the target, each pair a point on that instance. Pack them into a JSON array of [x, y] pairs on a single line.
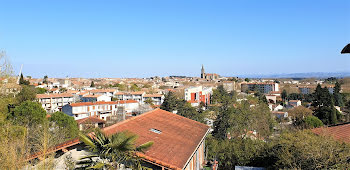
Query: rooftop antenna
[[19, 75]]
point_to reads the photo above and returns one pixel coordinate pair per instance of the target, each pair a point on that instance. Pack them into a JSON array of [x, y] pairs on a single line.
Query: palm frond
[[87, 141], [144, 146], [88, 157], [99, 165]]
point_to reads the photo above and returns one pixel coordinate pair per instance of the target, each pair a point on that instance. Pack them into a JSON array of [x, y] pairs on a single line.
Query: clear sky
[[100, 38]]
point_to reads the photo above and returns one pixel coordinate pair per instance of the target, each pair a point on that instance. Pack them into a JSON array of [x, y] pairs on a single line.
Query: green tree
[[22, 81], [169, 103], [221, 96], [40, 90], [45, 80], [284, 96], [92, 84], [28, 114], [237, 121], [27, 93], [67, 125], [299, 113], [149, 101], [313, 122], [237, 152], [305, 150], [247, 79], [116, 149], [338, 98], [134, 87]]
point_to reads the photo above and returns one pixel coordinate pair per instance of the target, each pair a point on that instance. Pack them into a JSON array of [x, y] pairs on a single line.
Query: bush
[[313, 122]]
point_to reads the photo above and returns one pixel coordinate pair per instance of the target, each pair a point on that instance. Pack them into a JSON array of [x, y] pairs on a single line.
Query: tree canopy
[[28, 114], [65, 123]]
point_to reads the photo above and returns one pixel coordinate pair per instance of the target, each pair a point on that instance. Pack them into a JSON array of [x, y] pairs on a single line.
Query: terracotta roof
[[102, 90], [72, 91], [294, 100], [53, 95], [102, 103], [90, 119], [338, 132], [153, 95], [130, 93], [127, 101], [178, 138]]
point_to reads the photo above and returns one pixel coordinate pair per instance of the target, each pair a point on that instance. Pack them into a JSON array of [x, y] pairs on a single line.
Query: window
[[155, 131]]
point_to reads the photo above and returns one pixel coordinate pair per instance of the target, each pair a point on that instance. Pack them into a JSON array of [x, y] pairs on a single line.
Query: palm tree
[[112, 151]]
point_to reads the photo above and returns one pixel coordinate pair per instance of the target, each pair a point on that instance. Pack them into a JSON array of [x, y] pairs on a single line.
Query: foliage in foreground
[[293, 150], [112, 151]]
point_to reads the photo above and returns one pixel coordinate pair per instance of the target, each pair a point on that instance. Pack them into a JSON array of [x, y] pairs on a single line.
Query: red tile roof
[[39, 96], [153, 95], [102, 103], [102, 90], [174, 146], [338, 132], [90, 119]]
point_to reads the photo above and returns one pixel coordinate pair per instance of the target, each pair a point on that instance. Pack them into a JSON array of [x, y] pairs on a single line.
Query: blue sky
[[85, 38]]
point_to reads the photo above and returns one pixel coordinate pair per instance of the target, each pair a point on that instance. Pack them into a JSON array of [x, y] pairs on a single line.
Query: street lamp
[[346, 49]]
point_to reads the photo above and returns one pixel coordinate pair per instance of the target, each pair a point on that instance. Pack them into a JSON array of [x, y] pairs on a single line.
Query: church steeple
[[202, 72]]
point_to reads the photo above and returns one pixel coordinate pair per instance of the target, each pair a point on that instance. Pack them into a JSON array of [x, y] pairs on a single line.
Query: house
[[198, 94], [157, 99], [101, 109], [179, 142], [96, 98], [138, 96], [91, 122], [280, 115], [106, 92], [271, 98], [294, 103], [54, 102]]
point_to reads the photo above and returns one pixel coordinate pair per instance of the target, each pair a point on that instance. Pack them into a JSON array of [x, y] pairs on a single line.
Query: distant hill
[[299, 75]]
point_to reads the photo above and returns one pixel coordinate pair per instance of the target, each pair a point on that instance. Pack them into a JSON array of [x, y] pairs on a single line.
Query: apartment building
[[138, 96], [157, 99], [198, 94], [101, 109], [54, 102], [265, 88], [95, 98], [105, 92]]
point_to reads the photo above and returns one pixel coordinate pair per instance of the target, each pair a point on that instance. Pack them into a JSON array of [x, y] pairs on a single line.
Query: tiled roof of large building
[[175, 137], [338, 132], [103, 103], [90, 119], [130, 93], [153, 95], [53, 95], [102, 90]]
